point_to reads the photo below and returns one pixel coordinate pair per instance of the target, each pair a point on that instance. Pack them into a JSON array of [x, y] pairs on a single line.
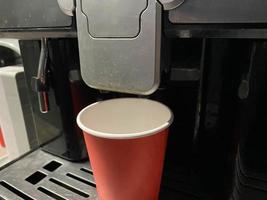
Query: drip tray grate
[[41, 176]]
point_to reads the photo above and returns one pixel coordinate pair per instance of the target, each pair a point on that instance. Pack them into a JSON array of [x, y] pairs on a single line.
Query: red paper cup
[[2, 142], [126, 141]]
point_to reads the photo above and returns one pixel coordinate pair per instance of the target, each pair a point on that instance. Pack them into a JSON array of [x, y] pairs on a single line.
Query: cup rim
[[133, 135]]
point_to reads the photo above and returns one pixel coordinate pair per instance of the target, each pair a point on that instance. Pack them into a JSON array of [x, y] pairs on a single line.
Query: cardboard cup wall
[[126, 140]]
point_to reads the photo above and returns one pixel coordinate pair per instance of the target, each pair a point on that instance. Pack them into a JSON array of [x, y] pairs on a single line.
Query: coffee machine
[[204, 59]]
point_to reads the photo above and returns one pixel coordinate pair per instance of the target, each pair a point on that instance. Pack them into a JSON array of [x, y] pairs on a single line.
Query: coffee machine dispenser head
[[119, 43]]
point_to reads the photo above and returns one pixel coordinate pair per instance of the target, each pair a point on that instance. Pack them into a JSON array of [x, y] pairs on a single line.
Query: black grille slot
[[15, 191], [73, 176], [87, 170], [51, 194], [36, 177], [68, 187], [52, 166]]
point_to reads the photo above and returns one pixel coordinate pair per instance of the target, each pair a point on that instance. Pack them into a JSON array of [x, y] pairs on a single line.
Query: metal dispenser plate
[[119, 43], [108, 20]]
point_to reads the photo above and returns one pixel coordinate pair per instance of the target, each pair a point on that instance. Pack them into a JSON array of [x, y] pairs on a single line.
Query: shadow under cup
[[126, 141]]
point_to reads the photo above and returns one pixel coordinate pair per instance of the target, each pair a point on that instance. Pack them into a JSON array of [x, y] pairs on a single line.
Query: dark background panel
[[220, 11]]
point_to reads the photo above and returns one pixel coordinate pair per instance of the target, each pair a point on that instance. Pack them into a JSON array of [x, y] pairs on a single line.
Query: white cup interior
[[125, 118]]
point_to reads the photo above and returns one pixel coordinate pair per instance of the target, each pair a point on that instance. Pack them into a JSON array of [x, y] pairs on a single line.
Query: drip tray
[[41, 176]]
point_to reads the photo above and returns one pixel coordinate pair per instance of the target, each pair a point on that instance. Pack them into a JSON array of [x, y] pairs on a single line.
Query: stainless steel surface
[[41, 76], [67, 6], [31, 34], [121, 58], [15, 175], [27, 14], [171, 4]]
